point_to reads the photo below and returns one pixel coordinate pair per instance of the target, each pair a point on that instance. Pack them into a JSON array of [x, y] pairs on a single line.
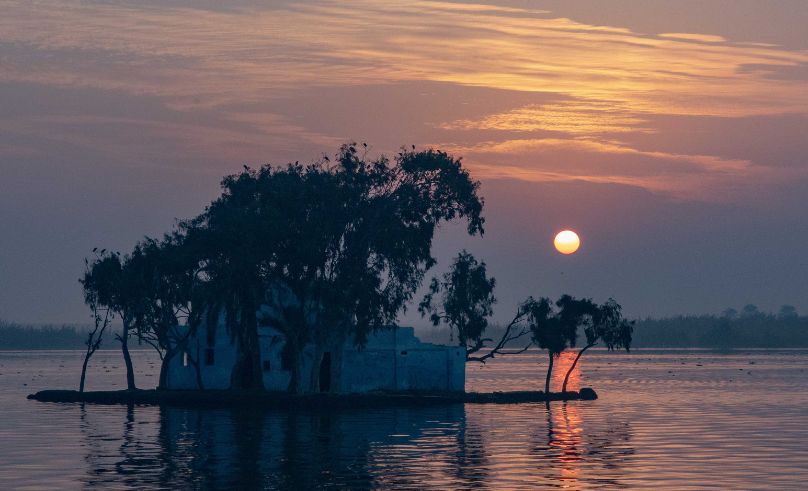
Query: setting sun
[[567, 242]]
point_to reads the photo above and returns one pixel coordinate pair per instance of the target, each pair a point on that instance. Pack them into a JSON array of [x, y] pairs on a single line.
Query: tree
[[102, 317], [555, 330], [750, 310], [465, 304], [167, 280], [605, 324], [107, 287], [729, 313], [787, 312], [329, 251]]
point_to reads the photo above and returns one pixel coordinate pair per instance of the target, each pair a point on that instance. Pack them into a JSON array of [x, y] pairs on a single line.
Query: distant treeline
[[749, 328], [28, 337]]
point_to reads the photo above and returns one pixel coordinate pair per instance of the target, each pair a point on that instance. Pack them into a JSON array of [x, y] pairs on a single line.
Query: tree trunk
[[549, 374], [336, 368], [164, 366], [574, 363], [87, 356], [296, 368], [247, 370], [314, 379], [199, 383], [130, 371]]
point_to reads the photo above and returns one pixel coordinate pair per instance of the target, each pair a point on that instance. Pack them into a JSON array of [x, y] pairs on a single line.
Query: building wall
[[397, 360], [392, 360]]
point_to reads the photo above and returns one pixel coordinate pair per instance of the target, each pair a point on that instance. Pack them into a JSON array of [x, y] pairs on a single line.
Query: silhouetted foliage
[[555, 328], [466, 300], [329, 250], [463, 299], [326, 252], [112, 289], [602, 324], [465, 303]]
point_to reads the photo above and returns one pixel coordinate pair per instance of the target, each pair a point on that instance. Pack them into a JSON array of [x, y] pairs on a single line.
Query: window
[[267, 365], [209, 358]]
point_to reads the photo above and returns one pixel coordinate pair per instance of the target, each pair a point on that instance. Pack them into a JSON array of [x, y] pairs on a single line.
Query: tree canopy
[[327, 251]]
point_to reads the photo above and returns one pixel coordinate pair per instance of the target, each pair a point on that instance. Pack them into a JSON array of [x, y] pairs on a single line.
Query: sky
[[672, 135]]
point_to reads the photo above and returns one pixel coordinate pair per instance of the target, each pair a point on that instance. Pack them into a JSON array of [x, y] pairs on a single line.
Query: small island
[[285, 292]]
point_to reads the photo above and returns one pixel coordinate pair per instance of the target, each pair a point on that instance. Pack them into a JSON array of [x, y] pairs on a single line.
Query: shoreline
[[283, 400]]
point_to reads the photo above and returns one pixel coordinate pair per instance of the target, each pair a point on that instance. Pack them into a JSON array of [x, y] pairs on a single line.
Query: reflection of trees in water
[[573, 452], [443, 447], [118, 454], [471, 460]]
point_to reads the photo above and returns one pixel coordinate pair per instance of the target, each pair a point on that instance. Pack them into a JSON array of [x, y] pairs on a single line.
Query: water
[[665, 419]]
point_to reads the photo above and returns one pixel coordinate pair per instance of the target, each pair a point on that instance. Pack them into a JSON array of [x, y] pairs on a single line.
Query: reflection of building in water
[[392, 359], [450, 447], [292, 450]]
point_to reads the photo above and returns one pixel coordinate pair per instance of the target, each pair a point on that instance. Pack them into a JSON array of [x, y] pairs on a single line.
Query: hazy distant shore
[[705, 331]]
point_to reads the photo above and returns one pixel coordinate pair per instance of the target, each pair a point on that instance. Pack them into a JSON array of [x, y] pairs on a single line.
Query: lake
[[670, 419]]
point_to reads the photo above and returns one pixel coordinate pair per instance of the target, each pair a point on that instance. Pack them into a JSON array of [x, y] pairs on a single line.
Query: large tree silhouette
[[331, 251]]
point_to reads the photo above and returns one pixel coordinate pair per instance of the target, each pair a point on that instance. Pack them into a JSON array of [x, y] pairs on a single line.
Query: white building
[[392, 360]]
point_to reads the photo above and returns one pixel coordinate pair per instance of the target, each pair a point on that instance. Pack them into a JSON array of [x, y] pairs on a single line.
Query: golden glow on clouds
[[578, 117], [606, 80]]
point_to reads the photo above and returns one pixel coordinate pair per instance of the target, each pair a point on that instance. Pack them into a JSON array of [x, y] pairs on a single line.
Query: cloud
[[575, 117], [685, 176], [217, 66], [706, 38], [209, 57]]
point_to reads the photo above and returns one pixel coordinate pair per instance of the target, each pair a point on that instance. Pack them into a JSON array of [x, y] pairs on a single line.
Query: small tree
[[102, 317], [466, 301], [109, 284], [465, 305], [556, 330], [605, 324]]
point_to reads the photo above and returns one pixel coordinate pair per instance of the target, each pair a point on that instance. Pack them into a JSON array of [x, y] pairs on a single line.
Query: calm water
[[665, 419]]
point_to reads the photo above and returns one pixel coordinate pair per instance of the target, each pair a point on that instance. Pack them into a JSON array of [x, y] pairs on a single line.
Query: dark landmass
[[264, 399]]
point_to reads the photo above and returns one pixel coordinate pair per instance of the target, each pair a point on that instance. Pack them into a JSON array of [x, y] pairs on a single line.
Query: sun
[[567, 242]]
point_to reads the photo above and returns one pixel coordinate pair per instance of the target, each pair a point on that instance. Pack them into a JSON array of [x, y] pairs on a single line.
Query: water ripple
[[665, 420]]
